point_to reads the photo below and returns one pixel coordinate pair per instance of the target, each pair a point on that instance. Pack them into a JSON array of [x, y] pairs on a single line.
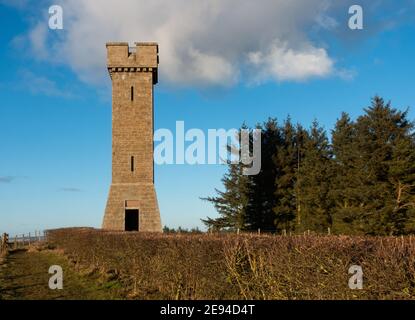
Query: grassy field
[[24, 275]]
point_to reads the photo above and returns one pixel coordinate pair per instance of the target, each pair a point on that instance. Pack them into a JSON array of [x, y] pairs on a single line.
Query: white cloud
[[211, 69], [202, 43], [282, 63]]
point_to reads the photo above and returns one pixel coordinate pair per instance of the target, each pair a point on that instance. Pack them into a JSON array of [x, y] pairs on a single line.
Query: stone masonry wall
[[132, 135]]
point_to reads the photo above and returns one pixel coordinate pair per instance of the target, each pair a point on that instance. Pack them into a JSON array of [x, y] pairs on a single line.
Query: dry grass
[[156, 266]]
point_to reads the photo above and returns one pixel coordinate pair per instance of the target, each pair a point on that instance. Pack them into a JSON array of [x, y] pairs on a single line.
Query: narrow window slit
[[132, 93], [132, 164]]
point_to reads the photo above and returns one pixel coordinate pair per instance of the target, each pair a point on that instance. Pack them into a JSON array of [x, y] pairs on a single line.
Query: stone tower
[[132, 201]]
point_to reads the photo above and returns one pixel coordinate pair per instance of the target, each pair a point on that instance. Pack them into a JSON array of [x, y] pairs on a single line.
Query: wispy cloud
[[347, 74], [40, 85], [7, 179], [69, 189], [15, 3], [37, 37]]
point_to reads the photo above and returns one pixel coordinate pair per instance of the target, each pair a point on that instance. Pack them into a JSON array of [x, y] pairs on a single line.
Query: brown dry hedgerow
[[245, 266]]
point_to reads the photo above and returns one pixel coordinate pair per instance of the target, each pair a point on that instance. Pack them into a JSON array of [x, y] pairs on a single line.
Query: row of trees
[[361, 181]]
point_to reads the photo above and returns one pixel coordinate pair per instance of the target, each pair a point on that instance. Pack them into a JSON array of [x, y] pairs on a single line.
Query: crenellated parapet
[[141, 58]]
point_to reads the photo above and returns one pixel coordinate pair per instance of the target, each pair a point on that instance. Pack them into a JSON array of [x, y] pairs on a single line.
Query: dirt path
[[25, 276]]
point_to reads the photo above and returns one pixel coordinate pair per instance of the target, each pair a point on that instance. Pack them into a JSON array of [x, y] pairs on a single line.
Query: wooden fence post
[[4, 243], [284, 232], [259, 231]]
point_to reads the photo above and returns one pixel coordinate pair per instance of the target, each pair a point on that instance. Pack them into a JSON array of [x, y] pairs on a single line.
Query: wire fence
[[260, 231], [20, 241]]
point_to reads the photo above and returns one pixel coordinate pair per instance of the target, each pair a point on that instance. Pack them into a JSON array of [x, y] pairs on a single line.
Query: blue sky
[[55, 109]]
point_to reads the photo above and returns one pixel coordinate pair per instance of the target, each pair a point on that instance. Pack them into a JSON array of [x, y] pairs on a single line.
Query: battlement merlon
[[141, 58]]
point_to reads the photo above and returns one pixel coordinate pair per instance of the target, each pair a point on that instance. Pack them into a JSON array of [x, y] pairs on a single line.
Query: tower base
[[128, 199]]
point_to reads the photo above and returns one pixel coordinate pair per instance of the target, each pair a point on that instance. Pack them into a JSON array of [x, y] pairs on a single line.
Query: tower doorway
[[131, 220]]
